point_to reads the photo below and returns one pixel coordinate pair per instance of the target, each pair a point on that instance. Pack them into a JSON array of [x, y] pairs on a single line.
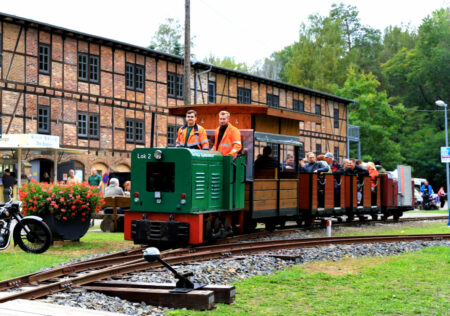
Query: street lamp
[[442, 103]]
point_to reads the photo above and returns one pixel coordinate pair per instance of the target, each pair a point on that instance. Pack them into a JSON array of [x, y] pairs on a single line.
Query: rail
[[178, 256]]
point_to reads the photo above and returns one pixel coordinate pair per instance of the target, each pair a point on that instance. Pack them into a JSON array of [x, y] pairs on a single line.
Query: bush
[[63, 201]]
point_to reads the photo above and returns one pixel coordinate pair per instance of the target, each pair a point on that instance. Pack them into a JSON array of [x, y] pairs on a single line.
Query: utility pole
[[187, 53]]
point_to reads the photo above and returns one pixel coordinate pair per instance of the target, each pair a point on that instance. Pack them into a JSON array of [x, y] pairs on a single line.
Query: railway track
[[125, 256], [48, 282]]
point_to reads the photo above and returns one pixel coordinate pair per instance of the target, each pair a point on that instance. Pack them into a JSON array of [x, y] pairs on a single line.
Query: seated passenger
[[289, 163], [321, 159], [352, 168], [302, 162], [373, 174], [127, 188], [265, 161], [379, 167], [335, 167], [313, 166], [113, 189]]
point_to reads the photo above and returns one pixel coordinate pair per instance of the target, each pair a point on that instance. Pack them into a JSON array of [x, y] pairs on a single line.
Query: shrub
[[63, 201]]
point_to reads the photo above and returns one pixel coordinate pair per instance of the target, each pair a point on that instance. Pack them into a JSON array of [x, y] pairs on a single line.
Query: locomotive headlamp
[[158, 154]]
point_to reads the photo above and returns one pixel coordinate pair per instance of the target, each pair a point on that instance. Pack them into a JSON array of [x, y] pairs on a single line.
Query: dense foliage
[[395, 77], [63, 201]]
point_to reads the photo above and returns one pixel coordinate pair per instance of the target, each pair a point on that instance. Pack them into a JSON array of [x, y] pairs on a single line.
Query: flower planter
[[72, 229], [66, 208]]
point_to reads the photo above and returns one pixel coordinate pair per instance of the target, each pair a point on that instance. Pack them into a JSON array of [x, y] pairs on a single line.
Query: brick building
[[109, 97]]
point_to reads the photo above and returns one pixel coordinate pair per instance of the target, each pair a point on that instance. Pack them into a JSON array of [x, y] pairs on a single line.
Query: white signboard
[[29, 140], [445, 154]]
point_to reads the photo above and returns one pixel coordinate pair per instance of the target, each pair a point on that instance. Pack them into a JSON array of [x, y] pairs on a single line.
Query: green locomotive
[[183, 195]]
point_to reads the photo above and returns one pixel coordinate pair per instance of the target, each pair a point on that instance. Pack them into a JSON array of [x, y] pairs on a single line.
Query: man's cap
[[329, 155]]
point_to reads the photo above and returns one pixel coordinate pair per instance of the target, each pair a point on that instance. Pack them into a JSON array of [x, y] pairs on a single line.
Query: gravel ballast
[[225, 271]]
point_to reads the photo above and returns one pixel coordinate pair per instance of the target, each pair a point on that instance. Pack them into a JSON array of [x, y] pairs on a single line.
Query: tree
[[420, 75], [227, 62], [378, 120], [169, 38], [316, 60]]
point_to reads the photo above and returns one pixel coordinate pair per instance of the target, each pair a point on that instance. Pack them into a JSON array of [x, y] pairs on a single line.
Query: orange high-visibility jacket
[[197, 138], [231, 141]]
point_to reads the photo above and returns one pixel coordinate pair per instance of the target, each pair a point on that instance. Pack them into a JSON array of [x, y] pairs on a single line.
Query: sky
[[248, 30]]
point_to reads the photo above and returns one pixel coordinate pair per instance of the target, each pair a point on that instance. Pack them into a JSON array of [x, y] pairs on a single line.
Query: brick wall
[[23, 89]]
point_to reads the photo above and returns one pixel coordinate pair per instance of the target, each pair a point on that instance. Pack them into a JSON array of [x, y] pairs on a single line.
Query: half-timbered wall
[[24, 89]]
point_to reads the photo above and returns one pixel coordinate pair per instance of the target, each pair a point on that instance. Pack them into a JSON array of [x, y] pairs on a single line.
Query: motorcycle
[[30, 232]]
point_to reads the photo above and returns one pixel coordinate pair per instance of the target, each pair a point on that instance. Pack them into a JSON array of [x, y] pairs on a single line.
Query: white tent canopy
[[36, 143]]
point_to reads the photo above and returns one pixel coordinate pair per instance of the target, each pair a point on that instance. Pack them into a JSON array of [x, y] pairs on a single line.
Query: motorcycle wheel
[[38, 240]]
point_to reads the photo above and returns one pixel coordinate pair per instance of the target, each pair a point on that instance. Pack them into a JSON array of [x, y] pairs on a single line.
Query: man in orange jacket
[[192, 135], [228, 137]]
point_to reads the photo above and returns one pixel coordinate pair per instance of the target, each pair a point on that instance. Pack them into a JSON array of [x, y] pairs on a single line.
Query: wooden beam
[[222, 293], [197, 299]]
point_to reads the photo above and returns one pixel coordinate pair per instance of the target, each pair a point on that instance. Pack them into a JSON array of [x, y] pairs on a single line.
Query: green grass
[[421, 228], [444, 212], [15, 262], [411, 283]]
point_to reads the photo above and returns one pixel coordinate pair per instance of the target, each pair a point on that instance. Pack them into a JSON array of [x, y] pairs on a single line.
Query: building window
[[175, 85], [93, 126], [180, 86], [82, 67], [140, 78], [134, 131], [134, 77], [299, 106], [318, 149], [211, 92], [88, 125], [44, 59], [171, 135], [88, 68], [43, 120], [171, 80], [244, 96], [129, 78], [336, 153], [129, 131], [318, 109], [273, 100], [336, 118]]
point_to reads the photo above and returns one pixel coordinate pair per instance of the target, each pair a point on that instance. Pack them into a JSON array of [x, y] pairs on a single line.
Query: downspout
[[348, 141]]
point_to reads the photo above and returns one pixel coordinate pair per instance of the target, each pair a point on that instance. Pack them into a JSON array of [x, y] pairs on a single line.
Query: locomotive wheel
[[270, 226], [396, 217], [216, 224], [299, 222], [37, 240], [207, 229], [282, 223], [374, 217], [251, 226], [350, 218]]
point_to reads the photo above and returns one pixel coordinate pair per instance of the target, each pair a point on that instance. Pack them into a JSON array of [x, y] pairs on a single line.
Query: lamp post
[[442, 103]]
